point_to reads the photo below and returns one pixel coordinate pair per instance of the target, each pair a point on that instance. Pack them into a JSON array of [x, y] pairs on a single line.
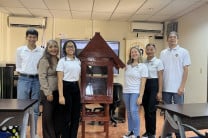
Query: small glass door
[[96, 80]]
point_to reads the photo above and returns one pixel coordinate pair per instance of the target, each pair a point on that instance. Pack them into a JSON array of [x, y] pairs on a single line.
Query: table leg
[[180, 127], [24, 125], [166, 129], [169, 126], [172, 124], [32, 123]]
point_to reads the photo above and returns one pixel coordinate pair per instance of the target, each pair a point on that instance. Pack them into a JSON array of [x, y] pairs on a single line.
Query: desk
[[195, 114], [22, 111]]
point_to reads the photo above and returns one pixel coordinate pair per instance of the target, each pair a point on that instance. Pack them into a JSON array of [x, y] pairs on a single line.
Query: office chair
[[4, 133], [117, 100], [174, 126], [117, 92], [5, 121]]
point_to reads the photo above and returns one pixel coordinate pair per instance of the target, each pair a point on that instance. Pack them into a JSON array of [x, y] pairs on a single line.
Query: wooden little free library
[[97, 62]]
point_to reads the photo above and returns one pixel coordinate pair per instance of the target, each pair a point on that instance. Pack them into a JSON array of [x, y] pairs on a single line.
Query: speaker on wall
[[158, 36], [172, 26]]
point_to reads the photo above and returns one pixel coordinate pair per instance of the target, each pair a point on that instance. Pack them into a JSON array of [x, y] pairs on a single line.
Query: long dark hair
[[64, 48]]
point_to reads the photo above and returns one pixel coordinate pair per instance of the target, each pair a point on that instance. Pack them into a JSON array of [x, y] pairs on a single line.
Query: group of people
[[56, 81], [42, 75], [154, 80]]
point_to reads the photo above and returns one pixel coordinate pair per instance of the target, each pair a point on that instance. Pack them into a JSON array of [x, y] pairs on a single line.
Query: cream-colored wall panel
[[3, 38], [76, 29], [193, 31]]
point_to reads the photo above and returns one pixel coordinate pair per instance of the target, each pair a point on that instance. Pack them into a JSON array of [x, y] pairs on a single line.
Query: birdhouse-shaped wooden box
[[97, 62]]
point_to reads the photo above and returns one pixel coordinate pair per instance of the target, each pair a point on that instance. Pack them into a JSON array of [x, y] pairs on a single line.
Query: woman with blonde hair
[[135, 78]]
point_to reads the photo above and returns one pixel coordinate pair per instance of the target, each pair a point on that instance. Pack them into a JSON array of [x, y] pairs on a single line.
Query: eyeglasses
[[70, 46]]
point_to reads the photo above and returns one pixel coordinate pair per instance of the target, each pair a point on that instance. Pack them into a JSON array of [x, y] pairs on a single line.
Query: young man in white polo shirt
[[176, 61], [27, 58]]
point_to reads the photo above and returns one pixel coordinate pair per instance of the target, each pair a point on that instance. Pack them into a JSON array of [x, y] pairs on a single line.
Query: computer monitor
[[81, 44]]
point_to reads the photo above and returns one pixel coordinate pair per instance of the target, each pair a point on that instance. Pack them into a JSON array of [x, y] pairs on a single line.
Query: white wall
[[193, 35]]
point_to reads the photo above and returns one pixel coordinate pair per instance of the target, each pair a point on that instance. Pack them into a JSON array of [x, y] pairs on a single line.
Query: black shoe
[[128, 134], [145, 135], [169, 135]]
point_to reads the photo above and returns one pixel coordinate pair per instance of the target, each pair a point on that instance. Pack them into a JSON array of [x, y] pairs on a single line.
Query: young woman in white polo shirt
[[69, 68], [153, 90], [135, 77]]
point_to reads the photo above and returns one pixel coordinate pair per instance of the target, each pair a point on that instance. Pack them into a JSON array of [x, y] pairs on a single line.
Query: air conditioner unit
[[147, 27], [16, 21]]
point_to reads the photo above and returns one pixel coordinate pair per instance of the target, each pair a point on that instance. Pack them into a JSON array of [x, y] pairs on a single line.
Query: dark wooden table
[[21, 112], [194, 114]]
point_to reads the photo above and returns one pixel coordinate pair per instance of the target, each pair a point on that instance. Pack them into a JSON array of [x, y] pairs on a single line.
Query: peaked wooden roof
[[98, 48]]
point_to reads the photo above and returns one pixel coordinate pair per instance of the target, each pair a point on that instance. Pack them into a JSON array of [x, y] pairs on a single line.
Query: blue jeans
[[132, 108], [29, 88], [172, 98]]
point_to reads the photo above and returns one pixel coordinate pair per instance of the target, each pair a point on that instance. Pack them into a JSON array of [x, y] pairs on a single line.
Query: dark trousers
[[52, 120], [71, 114], [149, 101]]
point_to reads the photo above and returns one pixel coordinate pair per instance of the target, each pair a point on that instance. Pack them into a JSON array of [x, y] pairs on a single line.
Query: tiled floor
[[115, 132]]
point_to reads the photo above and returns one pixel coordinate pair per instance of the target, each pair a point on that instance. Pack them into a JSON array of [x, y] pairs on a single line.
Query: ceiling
[[110, 10]]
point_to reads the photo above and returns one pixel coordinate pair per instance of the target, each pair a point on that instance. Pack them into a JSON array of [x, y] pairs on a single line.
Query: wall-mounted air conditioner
[[147, 27], [16, 21]]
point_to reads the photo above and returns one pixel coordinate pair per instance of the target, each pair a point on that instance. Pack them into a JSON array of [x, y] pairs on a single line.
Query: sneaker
[[135, 136], [145, 135], [128, 134]]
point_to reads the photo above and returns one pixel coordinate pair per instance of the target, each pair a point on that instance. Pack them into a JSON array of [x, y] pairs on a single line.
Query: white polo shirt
[[27, 60], [133, 77], [154, 65], [173, 61], [70, 67]]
